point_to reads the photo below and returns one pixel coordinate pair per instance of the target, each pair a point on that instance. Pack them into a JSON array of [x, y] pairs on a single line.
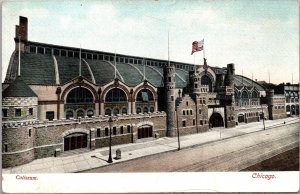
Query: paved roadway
[[232, 154]]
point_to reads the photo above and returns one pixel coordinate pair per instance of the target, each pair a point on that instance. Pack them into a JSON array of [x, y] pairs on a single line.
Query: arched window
[[245, 95], [138, 110], [124, 110], [90, 113], [29, 133], [254, 94], [107, 111], [151, 109], [69, 114], [205, 80], [116, 111], [116, 95], [145, 109], [80, 113], [79, 95], [144, 95]]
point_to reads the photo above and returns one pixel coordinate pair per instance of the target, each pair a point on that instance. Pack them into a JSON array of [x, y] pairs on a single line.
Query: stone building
[[58, 98]]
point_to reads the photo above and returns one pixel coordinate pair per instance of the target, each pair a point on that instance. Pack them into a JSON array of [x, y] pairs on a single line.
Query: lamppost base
[[109, 160]]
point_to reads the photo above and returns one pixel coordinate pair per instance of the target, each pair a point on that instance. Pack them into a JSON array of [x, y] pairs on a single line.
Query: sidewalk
[[97, 158]]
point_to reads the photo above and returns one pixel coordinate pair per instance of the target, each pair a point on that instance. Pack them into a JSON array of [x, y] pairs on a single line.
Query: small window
[[76, 54], [128, 128], [29, 133], [138, 110], [98, 132], [191, 112], [106, 131], [183, 112], [5, 147], [30, 111], [187, 112], [90, 113], [63, 53], [124, 111], [169, 79], [33, 49], [194, 122], [121, 130], [199, 111], [204, 101], [56, 52], [183, 123], [187, 103], [4, 112], [70, 53], [201, 122], [17, 112], [196, 85], [172, 98], [205, 121], [40, 50], [48, 51], [114, 130], [89, 56], [152, 109], [50, 115], [111, 58], [94, 56], [107, 111]]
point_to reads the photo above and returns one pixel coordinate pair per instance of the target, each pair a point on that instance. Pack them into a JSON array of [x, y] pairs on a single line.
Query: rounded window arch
[[245, 95], [79, 95], [116, 111], [144, 95], [254, 94], [69, 114], [145, 109], [80, 113], [108, 111], [138, 110], [115, 95], [90, 113], [205, 80], [124, 110]]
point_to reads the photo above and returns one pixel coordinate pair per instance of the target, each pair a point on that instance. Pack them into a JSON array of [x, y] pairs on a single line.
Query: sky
[[261, 37]]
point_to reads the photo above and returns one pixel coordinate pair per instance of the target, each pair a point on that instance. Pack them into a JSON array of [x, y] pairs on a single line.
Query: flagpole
[[115, 65], [194, 62], [203, 50], [144, 69], [19, 69], [80, 61], [168, 48]]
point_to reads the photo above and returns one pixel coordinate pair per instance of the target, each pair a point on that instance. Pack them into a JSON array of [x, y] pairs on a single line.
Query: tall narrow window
[[114, 130], [194, 122], [50, 115], [98, 132], [128, 128], [30, 111], [121, 129], [4, 112], [106, 131], [191, 112], [29, 133], [17, 112], [5, 147], [183, 123]]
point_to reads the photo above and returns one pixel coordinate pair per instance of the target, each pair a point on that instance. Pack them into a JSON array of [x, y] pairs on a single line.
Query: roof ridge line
[[135, 68], [90, 70], [116, 70], [57, 80]]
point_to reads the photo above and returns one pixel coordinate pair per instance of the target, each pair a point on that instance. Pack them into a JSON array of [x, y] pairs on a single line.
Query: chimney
[[21, 33]]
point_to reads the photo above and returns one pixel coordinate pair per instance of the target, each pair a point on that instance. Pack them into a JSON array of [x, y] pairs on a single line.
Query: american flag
[[197, 46]]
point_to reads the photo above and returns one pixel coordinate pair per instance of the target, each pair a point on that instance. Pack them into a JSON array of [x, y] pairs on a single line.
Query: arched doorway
[[241, 118], [75, 141], [216, 120], [145, 131]]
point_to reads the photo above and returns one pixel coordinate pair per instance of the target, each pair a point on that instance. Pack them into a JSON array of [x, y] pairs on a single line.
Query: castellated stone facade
[[53, 106]]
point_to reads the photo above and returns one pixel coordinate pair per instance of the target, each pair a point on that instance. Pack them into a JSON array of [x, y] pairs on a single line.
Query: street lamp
[[178, 100], [262, 110], [110, 121]]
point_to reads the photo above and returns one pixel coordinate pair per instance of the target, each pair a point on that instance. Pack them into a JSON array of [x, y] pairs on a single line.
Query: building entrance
[[216, 120], [145, 131], [75, 141], [241, 118]]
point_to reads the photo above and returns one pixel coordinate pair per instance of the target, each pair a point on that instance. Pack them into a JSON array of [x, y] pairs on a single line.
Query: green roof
[[18, 88]]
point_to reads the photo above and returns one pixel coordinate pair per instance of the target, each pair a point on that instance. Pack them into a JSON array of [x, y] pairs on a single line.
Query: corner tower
[[169, 86]]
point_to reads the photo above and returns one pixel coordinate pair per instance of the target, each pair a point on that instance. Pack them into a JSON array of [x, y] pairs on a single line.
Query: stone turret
[[270, 98], [169, 85]]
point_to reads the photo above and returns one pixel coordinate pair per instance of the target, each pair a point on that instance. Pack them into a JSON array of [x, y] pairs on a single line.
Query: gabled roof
[[18, 88]]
